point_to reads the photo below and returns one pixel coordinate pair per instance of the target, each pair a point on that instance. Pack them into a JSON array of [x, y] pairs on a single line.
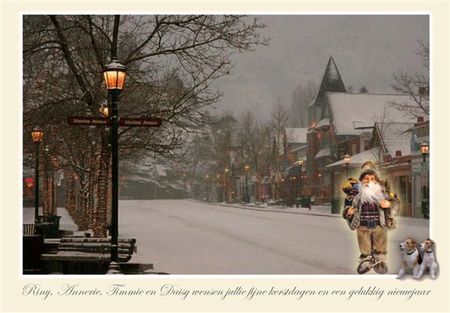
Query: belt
[[370, 224]]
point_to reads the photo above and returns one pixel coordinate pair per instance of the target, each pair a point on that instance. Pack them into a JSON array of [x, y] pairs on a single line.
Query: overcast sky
[[367, 49]]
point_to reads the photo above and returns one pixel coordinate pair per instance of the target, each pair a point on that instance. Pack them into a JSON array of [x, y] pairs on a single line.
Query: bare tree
[[279, 118], [171, 62], [253, 141], [415, 85], [301, 98]]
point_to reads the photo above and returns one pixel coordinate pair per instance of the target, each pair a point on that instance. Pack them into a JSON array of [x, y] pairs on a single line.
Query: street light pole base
[[114, 269]]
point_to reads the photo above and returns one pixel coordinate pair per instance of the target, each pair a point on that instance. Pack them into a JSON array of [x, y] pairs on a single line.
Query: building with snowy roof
[[295, 143], [391, 151], [345, 123], [290, 148]]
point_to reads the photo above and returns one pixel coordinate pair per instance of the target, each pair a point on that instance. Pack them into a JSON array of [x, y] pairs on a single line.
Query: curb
[[263, 209], [400, 220]]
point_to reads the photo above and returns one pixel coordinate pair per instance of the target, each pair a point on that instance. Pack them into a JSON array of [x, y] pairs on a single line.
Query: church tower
[[317, 110], [331, 81]]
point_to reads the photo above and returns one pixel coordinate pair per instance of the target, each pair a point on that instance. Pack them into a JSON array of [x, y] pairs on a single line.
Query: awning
[[323, 153], [293, 171], [302, 147], [358, 159], [323, 123]]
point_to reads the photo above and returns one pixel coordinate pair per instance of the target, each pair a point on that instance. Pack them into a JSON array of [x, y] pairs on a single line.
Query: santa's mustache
[[372, 193]]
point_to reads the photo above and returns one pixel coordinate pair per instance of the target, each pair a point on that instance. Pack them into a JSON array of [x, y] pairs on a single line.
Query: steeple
[[331, 80]]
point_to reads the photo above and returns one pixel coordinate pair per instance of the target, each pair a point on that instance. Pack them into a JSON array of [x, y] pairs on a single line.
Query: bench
[[78, 255], [45, 227], [29, 229]]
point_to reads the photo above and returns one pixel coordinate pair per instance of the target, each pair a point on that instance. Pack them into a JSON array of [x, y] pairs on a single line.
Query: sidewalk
[[65, 223], [316, 210]]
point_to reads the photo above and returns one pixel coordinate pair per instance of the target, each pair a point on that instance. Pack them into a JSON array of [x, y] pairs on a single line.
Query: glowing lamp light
[[424, 147], [104, 110], [29, 181], [347, 159], [114, 75], [37, 135]]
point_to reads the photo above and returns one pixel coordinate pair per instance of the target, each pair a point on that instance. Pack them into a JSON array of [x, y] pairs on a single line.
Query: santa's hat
[[369, 168]]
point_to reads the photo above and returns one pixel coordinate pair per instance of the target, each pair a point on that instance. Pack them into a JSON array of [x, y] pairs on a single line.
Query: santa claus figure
[[370, 215]]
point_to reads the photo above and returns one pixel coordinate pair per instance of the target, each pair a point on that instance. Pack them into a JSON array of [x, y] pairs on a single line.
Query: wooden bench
[[84, 254], [44, 228], [29, 229], [81, 249]]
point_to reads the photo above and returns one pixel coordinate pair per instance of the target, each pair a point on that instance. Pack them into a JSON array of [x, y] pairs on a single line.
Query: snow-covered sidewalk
[[65, 223], [318, 210]]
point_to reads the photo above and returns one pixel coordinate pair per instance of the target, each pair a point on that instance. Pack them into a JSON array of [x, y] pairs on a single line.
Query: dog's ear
[[431, 242], [413, 242]]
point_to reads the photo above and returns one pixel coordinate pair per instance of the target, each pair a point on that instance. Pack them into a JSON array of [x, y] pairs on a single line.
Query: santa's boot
[[365, 264], [379, 264]]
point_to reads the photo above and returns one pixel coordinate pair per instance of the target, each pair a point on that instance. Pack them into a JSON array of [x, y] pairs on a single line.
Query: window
[[353, 148]]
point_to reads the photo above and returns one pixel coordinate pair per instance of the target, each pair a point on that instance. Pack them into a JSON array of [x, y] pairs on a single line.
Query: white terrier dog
[[428, 259], [411, 258]]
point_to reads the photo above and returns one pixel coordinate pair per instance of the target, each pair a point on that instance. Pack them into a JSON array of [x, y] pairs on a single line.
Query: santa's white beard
[[372, 193]]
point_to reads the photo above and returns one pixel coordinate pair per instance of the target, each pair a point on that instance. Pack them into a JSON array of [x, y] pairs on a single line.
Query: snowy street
[[189, 237]]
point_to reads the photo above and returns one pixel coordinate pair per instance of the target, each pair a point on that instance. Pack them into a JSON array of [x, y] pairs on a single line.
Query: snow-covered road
[[188, 237]]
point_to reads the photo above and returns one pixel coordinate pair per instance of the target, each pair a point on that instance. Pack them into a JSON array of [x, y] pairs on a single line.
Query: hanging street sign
[[88, 120], [104, 121], [140, 122]]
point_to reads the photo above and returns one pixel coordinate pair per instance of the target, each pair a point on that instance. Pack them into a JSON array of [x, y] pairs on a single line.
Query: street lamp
[[37, 135], [299, 189], [207, 187], [46, 207], [114, 76], [246, 169], [424, 148], [347, 162], [225, 182], [104, 110]]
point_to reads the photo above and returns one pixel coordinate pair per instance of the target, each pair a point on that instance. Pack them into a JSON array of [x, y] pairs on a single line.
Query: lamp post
[[55, 164], [218, 188], [37, 135], [424, 149], [46, 199], [207, 187], [347, 162], [246, 169], [225, 182], [114, 76], [300, 165]]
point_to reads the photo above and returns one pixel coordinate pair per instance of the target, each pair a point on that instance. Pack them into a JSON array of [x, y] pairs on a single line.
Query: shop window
[[353, 148]]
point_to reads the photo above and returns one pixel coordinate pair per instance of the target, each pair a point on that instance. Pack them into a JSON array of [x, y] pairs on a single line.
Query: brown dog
[[429, 260], [411, 258]]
